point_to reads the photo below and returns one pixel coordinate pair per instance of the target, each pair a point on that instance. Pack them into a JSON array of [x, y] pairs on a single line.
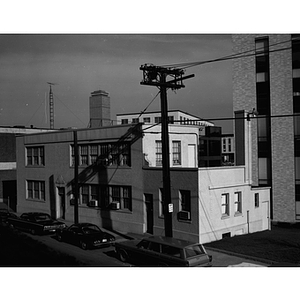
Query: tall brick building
[[267, 78]]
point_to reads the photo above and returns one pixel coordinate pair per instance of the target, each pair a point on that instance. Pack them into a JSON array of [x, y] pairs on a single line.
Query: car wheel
[[11, 226], [59, 237], [123, 255], [32, 231], [83, 245]]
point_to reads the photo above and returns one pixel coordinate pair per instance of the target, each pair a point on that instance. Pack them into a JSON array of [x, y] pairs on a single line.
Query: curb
[[262, 260]]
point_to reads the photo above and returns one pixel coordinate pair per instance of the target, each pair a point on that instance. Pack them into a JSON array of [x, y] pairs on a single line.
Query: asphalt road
[[106, 257]]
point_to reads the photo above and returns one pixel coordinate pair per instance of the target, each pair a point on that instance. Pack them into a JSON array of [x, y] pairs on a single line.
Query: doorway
[[61, 209], [10, 193], [149, 213]]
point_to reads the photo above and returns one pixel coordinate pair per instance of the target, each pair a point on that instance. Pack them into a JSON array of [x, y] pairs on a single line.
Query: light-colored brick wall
[[282, 129], [282, 132]]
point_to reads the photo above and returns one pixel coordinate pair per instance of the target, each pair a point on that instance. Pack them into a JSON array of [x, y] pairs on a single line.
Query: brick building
[[267, 79]]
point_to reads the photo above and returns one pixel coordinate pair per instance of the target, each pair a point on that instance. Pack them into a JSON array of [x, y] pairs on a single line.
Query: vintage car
[[163, 251], [85, 235], [4, 215], [35, 223]]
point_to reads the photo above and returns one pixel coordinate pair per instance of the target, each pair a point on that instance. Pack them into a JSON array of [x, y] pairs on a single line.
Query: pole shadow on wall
[[103, 169]]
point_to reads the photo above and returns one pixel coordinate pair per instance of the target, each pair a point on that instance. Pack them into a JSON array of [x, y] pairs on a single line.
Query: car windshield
[[43, 217], [194, 250], [90, 229]]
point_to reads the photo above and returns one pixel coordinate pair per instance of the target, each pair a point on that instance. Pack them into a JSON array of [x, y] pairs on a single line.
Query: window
[[238, 202], [224, 145], [158, 149], [36, 190], [108, 153], [124, 121], [135, 120], [176, 152], [35, 156], [85, 194], [171, 120], [83, 155], [225, 204], [185, 200], [105, 195], [93, 153], [256, 200], [157, 119], [229, 145], [184, 205], [147, 120]]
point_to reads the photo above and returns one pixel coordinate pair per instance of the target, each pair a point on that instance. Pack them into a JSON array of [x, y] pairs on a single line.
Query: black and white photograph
[[149, 149]]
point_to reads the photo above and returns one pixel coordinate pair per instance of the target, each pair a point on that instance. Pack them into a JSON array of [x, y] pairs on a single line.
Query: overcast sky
[[81, 64]]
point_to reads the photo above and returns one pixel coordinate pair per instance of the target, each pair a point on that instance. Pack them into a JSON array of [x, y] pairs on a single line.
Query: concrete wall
[[188, 135], [217, 181]]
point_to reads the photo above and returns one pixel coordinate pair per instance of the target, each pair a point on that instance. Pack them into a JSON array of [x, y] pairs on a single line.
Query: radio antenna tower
[[51, 105]]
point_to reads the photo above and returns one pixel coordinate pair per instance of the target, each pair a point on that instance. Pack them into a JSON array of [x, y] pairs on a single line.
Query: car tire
[[59, 237], [32, 231], [123, 255], [83, 245]]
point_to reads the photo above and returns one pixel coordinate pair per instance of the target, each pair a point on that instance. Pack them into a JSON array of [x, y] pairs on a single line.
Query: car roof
[[170, 241], [84, 224]]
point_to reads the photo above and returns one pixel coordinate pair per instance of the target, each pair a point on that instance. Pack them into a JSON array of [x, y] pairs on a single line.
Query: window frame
[[35, 156], [225, 210], [238, 203], [35, 190], [176, 152]]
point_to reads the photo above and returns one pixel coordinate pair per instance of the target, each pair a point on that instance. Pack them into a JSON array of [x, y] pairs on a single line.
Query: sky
[[81, 63]]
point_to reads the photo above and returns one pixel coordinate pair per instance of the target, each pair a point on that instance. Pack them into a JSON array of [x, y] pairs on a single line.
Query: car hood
[[99, 235], [50, 222]]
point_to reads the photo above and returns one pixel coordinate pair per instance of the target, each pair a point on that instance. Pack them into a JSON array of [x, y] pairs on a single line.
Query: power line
[[247, 53]]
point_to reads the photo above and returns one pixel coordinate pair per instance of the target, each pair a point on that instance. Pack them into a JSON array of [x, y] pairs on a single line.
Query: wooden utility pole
[[76, 185], [157, 76]]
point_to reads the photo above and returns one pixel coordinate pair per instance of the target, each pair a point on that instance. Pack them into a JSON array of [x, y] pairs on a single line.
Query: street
[[106, 257]]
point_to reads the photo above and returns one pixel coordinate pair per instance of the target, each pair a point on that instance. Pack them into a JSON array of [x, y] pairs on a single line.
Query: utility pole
[[76, 186], [157, 76]]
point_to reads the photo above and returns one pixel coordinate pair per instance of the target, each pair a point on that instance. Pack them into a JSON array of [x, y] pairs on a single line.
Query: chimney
[[99, 109]]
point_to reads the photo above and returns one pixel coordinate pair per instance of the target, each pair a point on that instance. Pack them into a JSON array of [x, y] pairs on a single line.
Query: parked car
[[4, 215], [35, 223], [163, 251], [86, 235]]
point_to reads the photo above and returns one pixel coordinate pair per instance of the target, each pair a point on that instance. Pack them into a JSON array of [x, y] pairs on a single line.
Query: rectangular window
[[158, 150], [135, 120], [146, 120], [184, 205], [84, 195], [238, 202], [124, 121], [127, 198], [225, 204], [93, 153], [83, 155], [157, 120], [224, 145], [256, 200], [94, 192], [36, 190], [229, 145], [176, 152], [35, 156], [106, 153]]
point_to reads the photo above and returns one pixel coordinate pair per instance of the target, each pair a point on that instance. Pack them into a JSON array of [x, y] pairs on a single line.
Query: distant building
[[175, 117], [228, 149], [8, 165], [268, 81]]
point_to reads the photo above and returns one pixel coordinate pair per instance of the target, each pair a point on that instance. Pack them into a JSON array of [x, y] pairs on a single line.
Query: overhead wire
[[247, 53]]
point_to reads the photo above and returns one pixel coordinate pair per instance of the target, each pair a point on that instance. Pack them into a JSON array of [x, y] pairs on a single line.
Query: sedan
[[86, 235]]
